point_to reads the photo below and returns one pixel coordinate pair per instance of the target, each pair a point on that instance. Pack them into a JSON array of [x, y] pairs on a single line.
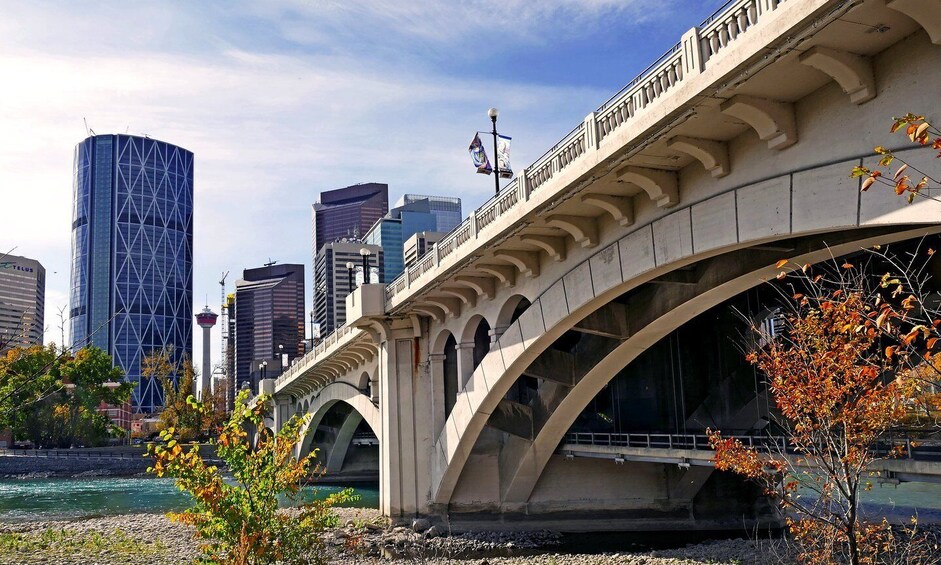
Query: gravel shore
[[365, 537]]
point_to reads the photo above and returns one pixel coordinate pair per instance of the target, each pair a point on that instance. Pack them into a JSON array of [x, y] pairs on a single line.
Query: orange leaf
[[889, 351], [781, 275], [899, 172], [931, 342], [780, 263]]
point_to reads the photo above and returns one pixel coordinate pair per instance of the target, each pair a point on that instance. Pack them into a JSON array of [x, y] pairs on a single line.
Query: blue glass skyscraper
[[391, 231], [132, 253]]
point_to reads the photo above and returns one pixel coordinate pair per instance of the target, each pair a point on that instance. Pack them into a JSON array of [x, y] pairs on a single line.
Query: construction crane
[[225, 317], [224, 314]]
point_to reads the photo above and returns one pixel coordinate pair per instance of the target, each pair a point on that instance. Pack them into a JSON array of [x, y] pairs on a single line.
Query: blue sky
[[281, 100]]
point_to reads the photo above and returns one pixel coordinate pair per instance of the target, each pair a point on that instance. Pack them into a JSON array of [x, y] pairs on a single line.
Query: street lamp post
[[365, 253], [349, 274], [311, 329], [493, 113]]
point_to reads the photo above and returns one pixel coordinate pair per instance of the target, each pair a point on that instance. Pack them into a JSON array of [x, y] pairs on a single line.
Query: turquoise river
[[46, 499]]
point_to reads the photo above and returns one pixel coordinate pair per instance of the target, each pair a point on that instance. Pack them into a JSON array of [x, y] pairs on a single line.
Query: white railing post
[[591, 132], [473, 224], [522, 184], [766, 6], [691, 46]]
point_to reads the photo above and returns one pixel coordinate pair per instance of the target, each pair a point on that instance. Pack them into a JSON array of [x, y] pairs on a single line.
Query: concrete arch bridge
[[568, 302]]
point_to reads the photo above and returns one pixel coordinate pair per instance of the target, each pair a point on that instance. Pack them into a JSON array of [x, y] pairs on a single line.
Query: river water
[[46, 499]]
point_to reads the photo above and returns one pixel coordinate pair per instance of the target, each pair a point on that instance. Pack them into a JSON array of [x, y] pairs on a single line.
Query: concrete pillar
[[436, 369], [406, 422], [465, 361], [282, 411]]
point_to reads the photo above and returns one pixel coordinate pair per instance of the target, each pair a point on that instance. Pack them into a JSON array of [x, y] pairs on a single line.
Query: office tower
[[335, 266], [447, 209], [394, 228], [347, 212], [132, 254], [420, 243], [22, 301], [269, 321]]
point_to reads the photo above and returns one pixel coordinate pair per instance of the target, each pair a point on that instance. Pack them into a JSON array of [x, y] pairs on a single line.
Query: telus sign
[[12, 265]]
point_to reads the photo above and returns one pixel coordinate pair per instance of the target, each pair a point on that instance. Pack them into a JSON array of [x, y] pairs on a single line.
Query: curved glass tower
[[132, 253]]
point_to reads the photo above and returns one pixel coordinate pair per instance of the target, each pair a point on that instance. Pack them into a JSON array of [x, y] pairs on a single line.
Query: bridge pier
[[406, 427]]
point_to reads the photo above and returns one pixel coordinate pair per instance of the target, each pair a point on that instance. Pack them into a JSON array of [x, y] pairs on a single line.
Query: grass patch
[[58, 541]]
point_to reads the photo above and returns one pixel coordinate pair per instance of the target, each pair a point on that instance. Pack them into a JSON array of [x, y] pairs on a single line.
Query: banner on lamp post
[[479, 156], [503, 157]]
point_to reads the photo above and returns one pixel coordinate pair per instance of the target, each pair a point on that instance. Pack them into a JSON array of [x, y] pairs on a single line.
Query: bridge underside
[[679, 370]]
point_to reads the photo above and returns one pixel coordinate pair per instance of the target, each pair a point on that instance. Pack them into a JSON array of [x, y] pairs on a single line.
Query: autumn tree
[[178, 383], [51, 396], [857, 352], [904, 177], [237, 519]]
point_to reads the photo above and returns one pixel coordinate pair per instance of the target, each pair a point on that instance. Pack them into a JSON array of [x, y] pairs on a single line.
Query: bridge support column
[[282, 411], [438, 393], [465, 361], [406, 423]]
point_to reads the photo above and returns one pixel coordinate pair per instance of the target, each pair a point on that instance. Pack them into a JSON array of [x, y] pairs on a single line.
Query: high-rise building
[[22, 301], [394, 228], [420, 243], [132, 254], [347, 212], [269, 320], [335, 274], [447, 209]]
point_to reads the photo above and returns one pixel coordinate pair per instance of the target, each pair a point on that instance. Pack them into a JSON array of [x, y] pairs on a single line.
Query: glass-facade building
[[391, 232], [132, 254], [447, 209]]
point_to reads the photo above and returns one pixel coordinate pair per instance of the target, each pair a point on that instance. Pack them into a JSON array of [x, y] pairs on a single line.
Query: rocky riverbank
[[365, 537]]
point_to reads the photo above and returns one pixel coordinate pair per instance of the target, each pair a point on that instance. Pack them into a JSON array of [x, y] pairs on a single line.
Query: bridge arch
[[665, 246], [473, 346], [511, 310], [327, 398]]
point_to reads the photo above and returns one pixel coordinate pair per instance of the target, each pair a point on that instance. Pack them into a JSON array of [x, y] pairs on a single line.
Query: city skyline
[[280, 150]]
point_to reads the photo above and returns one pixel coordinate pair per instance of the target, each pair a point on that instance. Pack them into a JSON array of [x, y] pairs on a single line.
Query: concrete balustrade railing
[[689, 56], [725, 26], [324, 349]]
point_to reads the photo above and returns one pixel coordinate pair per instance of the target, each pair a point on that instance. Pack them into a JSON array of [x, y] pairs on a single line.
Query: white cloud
[[269, 131]]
